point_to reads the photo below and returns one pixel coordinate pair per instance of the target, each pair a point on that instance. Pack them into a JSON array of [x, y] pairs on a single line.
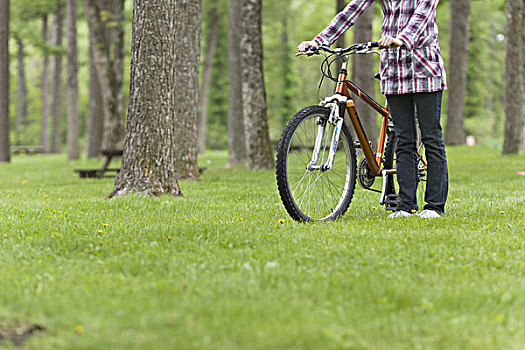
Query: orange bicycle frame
[[374, 160]]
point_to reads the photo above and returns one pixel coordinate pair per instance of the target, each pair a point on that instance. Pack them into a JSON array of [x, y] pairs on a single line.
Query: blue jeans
[[427, 107]]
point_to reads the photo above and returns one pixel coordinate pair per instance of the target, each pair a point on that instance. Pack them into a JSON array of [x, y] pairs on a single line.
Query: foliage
[[31, 11], [218, 107], [226, 268], [485, 97], [26, 23], [291, 82]]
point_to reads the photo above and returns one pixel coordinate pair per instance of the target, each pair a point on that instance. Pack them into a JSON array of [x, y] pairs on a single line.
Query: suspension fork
[[318, 144], [337, 104], [337, 120]]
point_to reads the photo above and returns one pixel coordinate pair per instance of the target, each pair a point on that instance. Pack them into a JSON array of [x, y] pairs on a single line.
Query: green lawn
[[234, 277]]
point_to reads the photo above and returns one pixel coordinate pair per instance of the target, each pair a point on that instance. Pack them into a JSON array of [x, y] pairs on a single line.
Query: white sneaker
[[399, 214], [429, 214]]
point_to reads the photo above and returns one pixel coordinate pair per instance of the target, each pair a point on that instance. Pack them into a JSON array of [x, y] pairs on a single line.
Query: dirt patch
[[17, 331]]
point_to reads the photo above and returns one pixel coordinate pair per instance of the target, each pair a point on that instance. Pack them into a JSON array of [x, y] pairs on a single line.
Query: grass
[[218, 270]]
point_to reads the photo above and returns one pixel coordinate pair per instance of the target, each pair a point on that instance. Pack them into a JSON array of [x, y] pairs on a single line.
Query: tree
[[211, 44], [217, 121], [73, 146], [287, 75], [362, 71], [21, 97], [339, 6], [4, 81], [56, 82], [514, 78], [459, 37], [236, 139], [363, 67], [95, 118], [161, 136], [45, 83], [260, 153], [105, 19], [340, 42]]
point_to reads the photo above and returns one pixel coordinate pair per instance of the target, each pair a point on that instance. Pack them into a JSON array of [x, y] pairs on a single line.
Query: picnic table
[[108, 155], [28, 149]]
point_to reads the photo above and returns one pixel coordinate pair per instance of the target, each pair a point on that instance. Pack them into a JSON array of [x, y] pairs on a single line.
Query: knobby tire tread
[[281, 165]]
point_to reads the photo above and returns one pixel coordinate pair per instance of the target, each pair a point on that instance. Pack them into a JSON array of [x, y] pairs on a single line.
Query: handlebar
[[314, 50]]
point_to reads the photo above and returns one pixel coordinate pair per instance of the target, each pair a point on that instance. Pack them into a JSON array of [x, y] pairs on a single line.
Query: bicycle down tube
[[343, 87], [385, 124]]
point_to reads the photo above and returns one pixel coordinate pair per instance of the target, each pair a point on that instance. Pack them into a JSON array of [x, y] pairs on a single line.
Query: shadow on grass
[[17, 331]]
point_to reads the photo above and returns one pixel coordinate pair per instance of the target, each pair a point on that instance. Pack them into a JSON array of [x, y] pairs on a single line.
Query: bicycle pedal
[[392, 202]]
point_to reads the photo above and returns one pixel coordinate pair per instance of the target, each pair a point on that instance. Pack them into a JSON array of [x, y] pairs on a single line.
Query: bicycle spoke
[[339, 175], [315, 194], [306, 174], [332, 187], [308, 187], [331, 191]]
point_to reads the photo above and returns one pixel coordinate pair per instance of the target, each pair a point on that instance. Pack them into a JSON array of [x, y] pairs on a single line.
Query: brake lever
[[312, 50], [305, 54]]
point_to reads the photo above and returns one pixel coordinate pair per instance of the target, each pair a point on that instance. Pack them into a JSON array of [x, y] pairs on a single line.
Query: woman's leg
[[402, 109], [428, 107]]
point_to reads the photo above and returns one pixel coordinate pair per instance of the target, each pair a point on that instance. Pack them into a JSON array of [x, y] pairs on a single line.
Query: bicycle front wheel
[[315, 195]]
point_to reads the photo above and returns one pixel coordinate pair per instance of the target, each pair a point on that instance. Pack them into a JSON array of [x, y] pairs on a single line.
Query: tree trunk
[[96, 112], [211, 44], [286, 106], [161, 135], [105, 19], [21, 103], [340, 5], [260, 153], [236, 139], [363, 72], [73, 146], [118, 69], [489, 101], [514, 78], [459, 35], [57, 77], [523, 81], [4, 81], [340, 42], [45, 82]]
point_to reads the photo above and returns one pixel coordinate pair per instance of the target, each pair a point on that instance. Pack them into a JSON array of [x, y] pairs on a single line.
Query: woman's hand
[[387, 41], [303, 47]]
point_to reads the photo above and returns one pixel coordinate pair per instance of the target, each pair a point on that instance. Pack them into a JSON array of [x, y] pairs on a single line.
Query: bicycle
[[316, 174]]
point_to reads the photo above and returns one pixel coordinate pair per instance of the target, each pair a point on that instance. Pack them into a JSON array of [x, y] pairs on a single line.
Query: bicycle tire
[[332, 190]]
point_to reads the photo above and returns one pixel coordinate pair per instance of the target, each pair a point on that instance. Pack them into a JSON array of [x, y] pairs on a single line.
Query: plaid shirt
[[417, 66]]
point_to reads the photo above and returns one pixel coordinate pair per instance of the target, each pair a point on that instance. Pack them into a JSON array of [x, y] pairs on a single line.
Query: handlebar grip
[[374, 44]]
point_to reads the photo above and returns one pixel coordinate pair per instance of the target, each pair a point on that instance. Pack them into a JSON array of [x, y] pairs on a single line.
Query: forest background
[[291, 82]]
